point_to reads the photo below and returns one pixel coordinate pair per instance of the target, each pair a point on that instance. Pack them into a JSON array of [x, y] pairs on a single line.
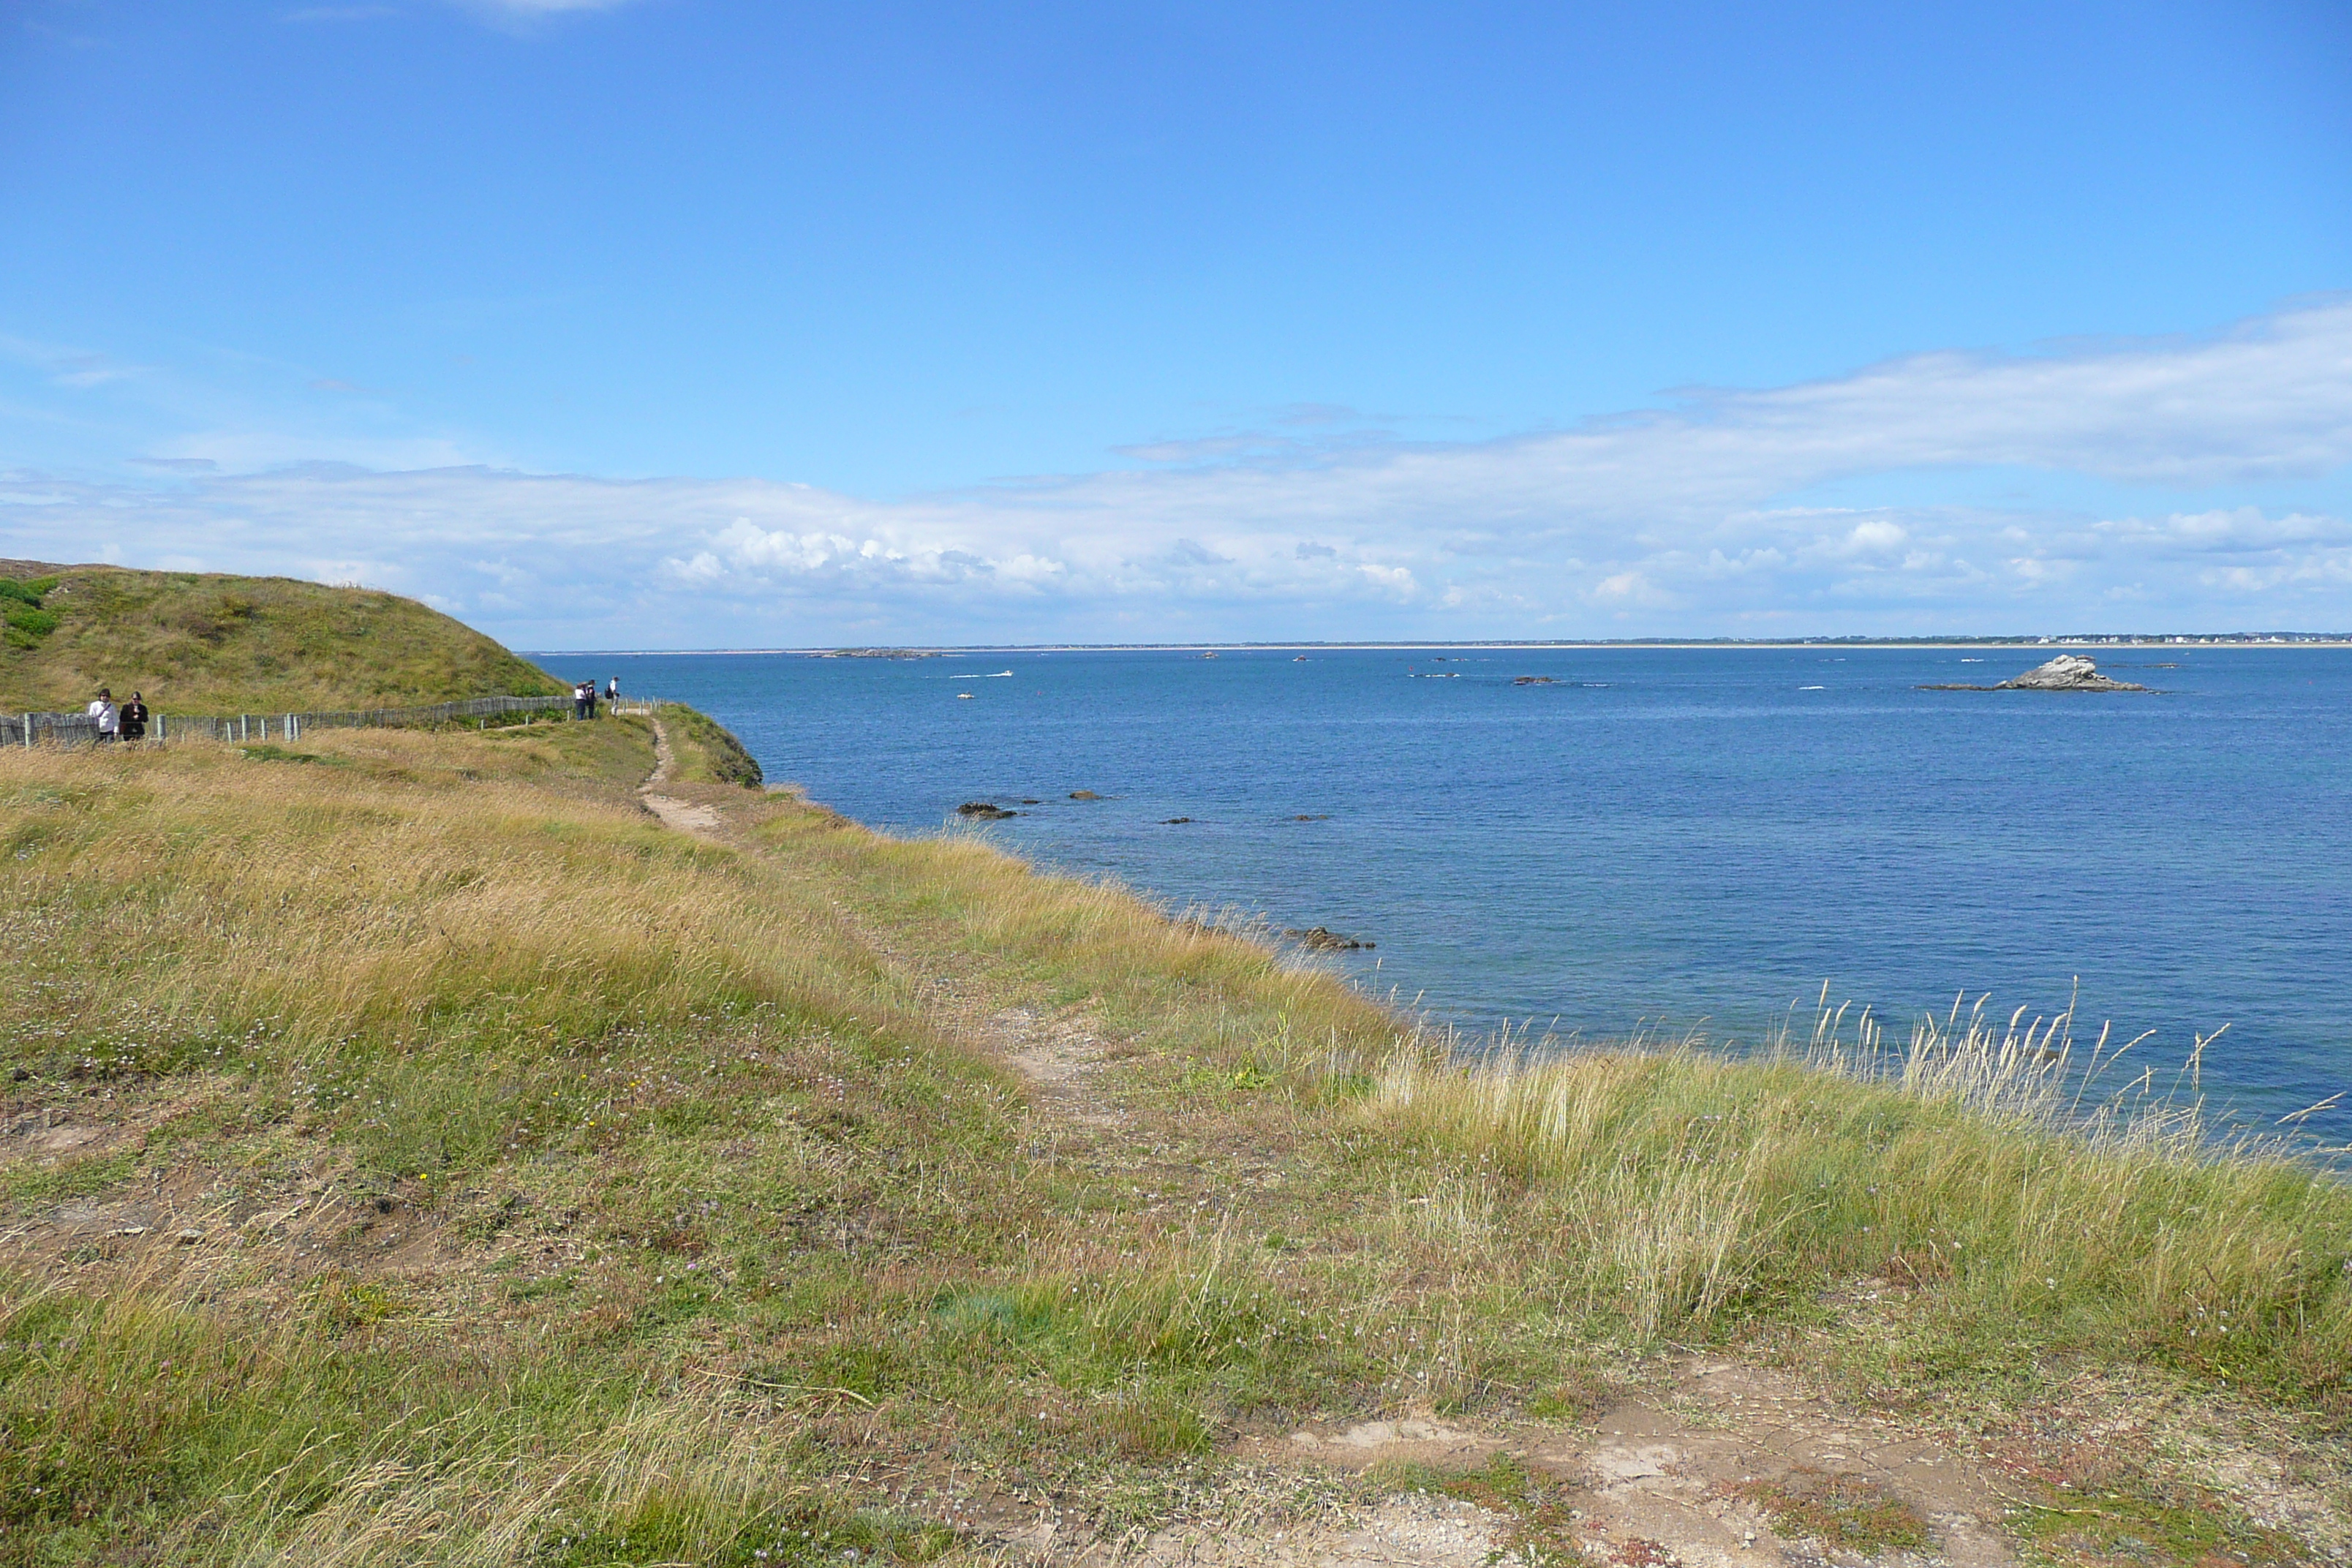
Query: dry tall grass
[[1985, 1162], [780, 1213]]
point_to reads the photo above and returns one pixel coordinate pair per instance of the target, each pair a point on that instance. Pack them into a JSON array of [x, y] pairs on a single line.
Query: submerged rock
[[984, 811], [1084, 794], [1533, 681], [2067, 672]]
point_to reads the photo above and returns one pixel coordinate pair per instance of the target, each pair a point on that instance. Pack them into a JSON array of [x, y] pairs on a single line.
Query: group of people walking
[[584, 698], [117, 722], [127, 720]]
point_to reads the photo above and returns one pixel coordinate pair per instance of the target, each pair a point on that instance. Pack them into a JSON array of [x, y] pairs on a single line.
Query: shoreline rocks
[[984, 811], [1323, 938]]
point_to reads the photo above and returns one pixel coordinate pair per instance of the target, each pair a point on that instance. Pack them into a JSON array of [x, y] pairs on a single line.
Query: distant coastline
[[2114, 640]]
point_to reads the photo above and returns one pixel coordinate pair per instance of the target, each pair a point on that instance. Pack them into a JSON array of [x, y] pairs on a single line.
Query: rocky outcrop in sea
[[2067, 672]]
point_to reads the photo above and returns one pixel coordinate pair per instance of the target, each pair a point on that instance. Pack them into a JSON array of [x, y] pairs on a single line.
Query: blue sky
[[692, 323]]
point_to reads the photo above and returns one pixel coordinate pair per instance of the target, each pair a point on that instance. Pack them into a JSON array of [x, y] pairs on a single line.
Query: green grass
[[69, 1179], [207, 643], [274, 753], [2133, 1519], [1844, 1513], [706, 752], [731, 1241], [1541, 1509]]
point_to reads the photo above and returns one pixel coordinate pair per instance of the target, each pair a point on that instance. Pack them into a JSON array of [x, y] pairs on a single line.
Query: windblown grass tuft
[[1982, 1167]]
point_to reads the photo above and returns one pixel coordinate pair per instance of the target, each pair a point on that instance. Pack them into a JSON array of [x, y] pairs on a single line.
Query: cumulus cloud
[[1691, 518]]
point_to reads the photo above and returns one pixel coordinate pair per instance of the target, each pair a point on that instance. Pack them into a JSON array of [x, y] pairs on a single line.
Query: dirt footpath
[[1716, 1464], [1724, 1472]]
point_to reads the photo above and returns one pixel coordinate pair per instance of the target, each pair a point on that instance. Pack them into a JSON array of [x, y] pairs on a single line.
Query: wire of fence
[[69, 729]]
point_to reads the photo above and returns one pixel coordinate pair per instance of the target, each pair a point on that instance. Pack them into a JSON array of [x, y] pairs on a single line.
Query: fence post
[[28, 731]]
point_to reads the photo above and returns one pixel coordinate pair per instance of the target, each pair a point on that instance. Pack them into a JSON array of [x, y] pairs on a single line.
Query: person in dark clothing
[[134, 718]]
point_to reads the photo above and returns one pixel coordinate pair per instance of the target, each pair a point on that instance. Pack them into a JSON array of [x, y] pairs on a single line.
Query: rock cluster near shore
[[1322, 939], [2067, 672]]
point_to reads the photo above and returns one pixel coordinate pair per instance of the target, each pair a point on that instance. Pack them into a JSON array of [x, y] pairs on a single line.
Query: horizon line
[[2075, 639]]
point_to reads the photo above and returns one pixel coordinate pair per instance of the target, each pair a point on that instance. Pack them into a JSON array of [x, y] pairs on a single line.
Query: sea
[[1595, 842]]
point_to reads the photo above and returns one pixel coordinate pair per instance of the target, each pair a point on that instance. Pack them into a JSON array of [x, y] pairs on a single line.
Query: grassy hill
[[413, 1152], [205, 642]]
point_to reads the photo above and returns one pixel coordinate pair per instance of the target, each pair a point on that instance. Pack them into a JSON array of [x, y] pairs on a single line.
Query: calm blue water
[[1699, 838]]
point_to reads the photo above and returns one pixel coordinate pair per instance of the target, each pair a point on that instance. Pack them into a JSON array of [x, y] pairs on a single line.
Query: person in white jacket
[[109, 717]]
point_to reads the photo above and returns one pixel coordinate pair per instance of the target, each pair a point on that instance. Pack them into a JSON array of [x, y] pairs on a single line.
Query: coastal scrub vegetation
[[27, 623], [205, 643], [422, 1154], [707, 751]]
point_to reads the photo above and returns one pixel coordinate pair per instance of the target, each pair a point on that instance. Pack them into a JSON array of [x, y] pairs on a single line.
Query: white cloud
[[511, 13], [1677, 519]]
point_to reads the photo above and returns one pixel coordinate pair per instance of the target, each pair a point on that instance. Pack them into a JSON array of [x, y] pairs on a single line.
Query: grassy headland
[[203, 642], [417, 1153]]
